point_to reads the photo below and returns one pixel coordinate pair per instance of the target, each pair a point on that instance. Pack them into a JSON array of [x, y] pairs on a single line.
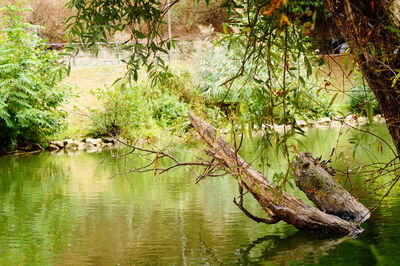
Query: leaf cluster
[[96, 20], [30, 95], [138, 110], [362, 99]]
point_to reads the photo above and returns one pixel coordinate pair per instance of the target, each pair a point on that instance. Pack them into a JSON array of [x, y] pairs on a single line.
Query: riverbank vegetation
[[31, 95], [155, 107], [144, 109]]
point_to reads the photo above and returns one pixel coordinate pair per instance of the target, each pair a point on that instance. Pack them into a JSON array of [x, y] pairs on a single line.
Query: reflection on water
[[66, 210], [300, 246]]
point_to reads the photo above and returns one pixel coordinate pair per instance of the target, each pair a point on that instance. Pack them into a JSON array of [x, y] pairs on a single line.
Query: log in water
[[316, 180], [283, 206]]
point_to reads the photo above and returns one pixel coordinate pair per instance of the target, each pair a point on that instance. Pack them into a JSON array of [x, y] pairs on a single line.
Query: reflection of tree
[[300, 247], [32, 210]]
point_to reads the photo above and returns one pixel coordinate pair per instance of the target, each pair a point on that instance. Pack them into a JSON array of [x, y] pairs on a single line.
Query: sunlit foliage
[[30, 96]]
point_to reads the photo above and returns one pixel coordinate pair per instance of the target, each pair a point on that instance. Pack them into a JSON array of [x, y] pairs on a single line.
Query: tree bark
[[365, 25], [283, 206], [316, 180]]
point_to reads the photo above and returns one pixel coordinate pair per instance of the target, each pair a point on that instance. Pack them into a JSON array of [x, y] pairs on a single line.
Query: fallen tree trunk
[[316, 180], [277, 204]]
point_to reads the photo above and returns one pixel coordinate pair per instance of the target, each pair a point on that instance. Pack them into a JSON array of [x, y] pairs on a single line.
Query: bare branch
[[272, 220]]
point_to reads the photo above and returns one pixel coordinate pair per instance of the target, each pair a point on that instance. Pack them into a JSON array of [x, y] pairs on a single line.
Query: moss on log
[[316, 180]]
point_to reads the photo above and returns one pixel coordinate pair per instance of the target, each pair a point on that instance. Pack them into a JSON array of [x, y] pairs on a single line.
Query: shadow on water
[[304, 247]]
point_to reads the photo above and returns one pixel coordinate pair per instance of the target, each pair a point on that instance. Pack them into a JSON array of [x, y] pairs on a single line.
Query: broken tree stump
[[316, 181], [278, 204]]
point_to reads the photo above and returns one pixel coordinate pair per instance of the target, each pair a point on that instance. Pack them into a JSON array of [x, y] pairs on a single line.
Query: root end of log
[[316, 181]]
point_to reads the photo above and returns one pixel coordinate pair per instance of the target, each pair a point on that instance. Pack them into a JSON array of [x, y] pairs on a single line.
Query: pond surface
[[73, 210]]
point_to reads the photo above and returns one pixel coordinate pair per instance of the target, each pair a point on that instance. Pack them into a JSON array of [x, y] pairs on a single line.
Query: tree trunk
[[282, 205], [370, 30], [316, 180]]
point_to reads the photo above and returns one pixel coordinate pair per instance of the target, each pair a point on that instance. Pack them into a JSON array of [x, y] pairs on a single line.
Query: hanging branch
[[212, 168]]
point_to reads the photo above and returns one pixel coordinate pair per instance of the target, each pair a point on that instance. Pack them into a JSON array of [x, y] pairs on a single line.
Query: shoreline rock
[[89, 145], [328, 123]]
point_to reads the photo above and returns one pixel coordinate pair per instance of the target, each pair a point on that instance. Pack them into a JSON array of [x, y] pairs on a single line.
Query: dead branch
[[277, 204], [272, 220]]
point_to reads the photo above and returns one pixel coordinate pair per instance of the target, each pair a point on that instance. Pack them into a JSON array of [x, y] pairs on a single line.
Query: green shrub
[[172, 98], [139, 111], [216, 65], [169, 111], [362, 100], [124, 109], [30, 97]]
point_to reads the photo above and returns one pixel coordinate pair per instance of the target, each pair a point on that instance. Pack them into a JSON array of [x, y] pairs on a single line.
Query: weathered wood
[[282, 205], [316, 180]]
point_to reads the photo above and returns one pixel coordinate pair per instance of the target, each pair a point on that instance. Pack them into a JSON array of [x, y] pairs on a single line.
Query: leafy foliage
[[138, 110], [124, 109], [97, 20], [168, 111], [362, 100], [250, 95], [30, 96]]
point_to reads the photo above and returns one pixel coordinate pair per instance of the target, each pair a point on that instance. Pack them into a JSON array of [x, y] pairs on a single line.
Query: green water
[[71, 210]]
